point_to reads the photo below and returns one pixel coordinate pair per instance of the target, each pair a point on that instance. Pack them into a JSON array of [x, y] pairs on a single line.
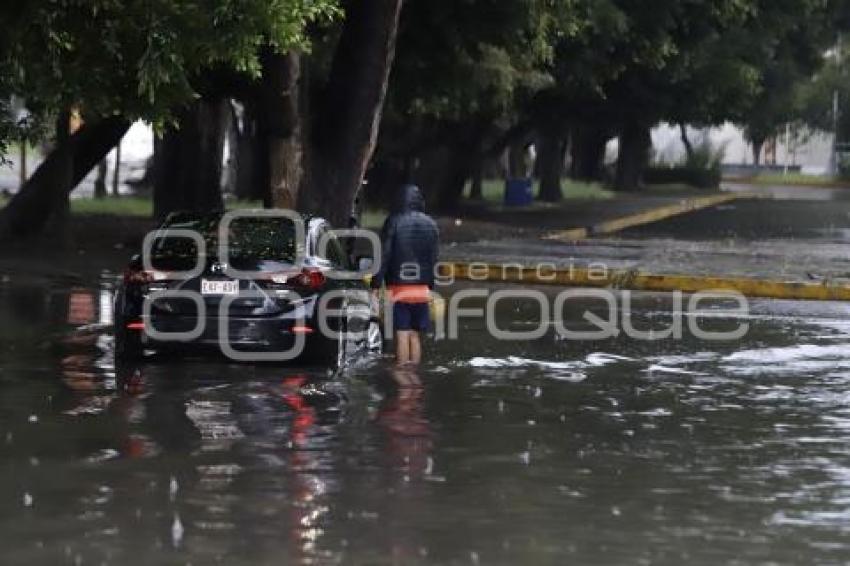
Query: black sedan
[[258, 286]]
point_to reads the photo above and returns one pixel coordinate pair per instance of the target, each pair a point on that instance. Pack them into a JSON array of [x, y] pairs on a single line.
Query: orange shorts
[[410, 294]]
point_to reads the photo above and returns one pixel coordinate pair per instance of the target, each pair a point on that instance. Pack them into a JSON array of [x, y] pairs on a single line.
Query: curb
[[636, 281], [649, 216]]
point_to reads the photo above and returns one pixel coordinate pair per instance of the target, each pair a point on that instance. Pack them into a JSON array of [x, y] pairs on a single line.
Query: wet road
[[541, 452]]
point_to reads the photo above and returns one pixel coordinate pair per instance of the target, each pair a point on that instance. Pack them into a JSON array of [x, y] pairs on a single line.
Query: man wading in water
[[410, 240]]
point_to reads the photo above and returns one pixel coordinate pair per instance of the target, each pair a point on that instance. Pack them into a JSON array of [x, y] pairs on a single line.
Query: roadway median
[[649, 216]]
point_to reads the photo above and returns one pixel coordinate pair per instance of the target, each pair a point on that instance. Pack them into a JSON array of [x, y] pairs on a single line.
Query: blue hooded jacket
[[410, 240]]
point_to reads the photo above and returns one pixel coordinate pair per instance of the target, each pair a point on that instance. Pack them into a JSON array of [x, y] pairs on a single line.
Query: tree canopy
[[469, 79], [140, 59]]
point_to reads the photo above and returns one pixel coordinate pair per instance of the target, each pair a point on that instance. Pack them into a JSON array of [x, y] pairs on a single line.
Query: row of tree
[[316, 95]]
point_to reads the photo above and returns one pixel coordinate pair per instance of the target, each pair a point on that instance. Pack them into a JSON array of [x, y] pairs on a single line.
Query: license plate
[[219, 287]]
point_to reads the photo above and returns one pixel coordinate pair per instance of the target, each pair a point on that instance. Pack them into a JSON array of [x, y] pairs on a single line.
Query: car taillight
[[309, 278], [301, 329], [135, 275], [132, 275]]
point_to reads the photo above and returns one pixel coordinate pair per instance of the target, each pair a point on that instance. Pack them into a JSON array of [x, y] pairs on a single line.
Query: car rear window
[[250, 238]]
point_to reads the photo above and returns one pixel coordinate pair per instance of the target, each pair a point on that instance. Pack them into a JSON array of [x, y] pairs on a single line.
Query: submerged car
[[279, 288]]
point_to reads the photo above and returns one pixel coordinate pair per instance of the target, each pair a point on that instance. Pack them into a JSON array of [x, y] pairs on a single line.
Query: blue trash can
[[519, 192]]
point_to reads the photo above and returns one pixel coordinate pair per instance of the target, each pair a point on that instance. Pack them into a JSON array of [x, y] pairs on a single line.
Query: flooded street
[[619, 451], [564, 283]]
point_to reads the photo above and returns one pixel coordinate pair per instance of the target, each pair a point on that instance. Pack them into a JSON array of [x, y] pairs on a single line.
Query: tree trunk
[[249, 185], [587, 153], [444, 170], [689, 147], [550, 165], [635, 144], [283, 108], [23, 165], [116, 174], [347, 120], [758, 145], [58, 226], [518, 160], [515, 134], [100, 181], [48, 187], [187, 172], [458, 170]]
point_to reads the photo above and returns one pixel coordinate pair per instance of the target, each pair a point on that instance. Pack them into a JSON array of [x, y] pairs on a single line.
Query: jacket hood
[[410, 199]]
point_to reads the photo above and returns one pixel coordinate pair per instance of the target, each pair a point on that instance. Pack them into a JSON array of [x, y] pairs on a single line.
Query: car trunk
[[266, 293]]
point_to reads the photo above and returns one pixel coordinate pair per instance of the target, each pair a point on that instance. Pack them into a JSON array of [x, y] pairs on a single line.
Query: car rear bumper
[[239, 334]]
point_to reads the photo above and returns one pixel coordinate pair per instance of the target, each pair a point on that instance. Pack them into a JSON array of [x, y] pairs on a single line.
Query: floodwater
[[545, 451]]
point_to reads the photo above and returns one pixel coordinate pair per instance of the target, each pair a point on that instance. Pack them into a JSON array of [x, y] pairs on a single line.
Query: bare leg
[[402, 347], [415, 348]]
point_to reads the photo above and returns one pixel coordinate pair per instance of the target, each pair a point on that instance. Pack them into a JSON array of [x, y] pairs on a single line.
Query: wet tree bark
[[347, 118], [62, 170], [313, 159], [635, 144], [58, 225], [283, 111], [187, 169], [550, 164]]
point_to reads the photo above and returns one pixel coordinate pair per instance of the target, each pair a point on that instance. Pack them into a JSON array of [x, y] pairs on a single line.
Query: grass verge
[[129, 206], [493, 190]]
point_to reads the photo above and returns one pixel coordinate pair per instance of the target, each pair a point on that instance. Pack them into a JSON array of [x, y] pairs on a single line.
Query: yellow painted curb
[[636, 281], [649, 216]]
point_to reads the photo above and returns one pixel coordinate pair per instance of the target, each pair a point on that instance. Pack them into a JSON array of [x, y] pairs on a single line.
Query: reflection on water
[[541, 452]]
